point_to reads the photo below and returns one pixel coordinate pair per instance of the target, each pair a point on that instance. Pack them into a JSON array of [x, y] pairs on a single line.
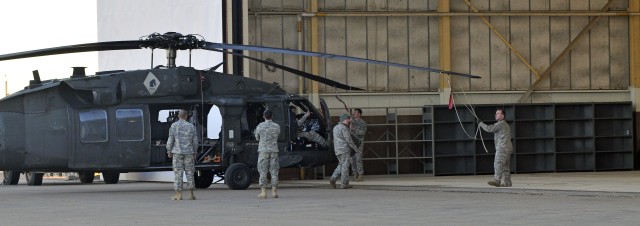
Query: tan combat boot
[[177, 196], [274, 192], [263, 194], [359, 178], [494, 183], [191, 196]]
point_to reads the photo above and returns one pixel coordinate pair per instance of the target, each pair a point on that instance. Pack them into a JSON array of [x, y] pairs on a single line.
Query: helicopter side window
[[129, 125], [93, 126]]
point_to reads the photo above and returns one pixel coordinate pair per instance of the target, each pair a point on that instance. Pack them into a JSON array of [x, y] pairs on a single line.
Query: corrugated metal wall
[[599, 61]]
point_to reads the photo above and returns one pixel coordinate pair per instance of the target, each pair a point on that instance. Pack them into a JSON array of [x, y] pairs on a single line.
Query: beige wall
[[600, 61]]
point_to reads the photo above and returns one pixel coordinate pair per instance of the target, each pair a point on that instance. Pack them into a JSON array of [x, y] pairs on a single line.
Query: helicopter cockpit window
[[129, 125], [93, 126]]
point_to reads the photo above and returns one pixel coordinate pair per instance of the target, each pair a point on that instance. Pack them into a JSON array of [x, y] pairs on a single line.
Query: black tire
[[111, 177], [237, 176], [203, 180], [86, 177], [11, 177], [34, 179]]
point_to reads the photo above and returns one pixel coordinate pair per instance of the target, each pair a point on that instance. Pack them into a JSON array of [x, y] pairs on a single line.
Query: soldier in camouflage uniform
[[310, 134], [267, 134], [342, 143], [502, 139], [358, 129], [182, 146]]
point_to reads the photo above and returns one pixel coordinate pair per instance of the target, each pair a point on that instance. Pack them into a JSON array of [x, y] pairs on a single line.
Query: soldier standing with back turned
[[358, 129], [267, 134], [342, 142], [182, 146]]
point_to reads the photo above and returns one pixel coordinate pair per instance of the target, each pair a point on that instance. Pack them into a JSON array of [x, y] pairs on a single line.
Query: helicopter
[[118, 121]]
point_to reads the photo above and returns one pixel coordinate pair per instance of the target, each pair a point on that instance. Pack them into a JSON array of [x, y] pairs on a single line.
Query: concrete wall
[[600, 61]]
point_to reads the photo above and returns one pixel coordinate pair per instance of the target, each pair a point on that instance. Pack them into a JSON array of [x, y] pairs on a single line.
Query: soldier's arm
[[171, 139], [347, 137], [257, 133], [195, 140], [304, 118], [491, 128]]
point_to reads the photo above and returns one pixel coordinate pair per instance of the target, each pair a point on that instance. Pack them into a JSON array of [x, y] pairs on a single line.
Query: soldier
[[502, 139], [307, 131], [358, 129], [267, 134], [342, 142], [182, 146]]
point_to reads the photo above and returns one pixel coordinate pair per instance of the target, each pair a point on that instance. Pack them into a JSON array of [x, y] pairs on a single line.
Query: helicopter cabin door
[[111, 138]]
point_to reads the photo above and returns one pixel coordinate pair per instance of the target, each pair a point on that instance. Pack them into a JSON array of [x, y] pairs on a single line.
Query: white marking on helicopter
[[152, 83]]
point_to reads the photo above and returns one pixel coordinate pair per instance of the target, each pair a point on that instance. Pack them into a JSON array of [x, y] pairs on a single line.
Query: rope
[[472, 111]]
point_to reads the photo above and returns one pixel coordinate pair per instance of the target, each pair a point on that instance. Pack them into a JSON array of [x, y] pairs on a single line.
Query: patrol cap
[[344, 116]]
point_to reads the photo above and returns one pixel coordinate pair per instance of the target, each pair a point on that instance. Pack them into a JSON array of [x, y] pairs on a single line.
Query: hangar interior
[[566, 71]]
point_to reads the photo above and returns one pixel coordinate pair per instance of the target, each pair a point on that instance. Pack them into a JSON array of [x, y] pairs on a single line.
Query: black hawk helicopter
[[110, 122]]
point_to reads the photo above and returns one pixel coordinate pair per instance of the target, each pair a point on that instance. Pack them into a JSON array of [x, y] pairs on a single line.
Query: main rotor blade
[[210, 45], [319, 79], [87, 47]]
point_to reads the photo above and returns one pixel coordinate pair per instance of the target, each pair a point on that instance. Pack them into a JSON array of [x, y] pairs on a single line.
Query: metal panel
[[335, 44], [619, 52], [254, 39], [398, 53], [580, 53], [559, 39], [480, 49], [377, 50], [500, 66], [357, 47], [540, 38], [434, 44], [419, 50], [331, 5], [599, 50], [520, 37], [292, 5], [271, 5], [290, 41], [356, 5], [272, 37], [460, 50]]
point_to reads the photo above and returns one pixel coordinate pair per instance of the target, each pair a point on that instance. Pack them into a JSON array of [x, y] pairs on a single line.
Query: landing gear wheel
[[238, 176], [111, 177], [11, 177], [86, 177], [203, 178], [34, 179]]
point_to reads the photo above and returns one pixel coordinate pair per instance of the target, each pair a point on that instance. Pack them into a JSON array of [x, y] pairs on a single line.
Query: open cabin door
[[111, 138], [327, 119]]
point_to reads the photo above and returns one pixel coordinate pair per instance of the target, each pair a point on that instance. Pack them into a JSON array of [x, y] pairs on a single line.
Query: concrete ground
[[535, 199]]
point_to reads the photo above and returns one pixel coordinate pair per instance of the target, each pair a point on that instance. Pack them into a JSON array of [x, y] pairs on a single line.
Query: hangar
[[566, 72]]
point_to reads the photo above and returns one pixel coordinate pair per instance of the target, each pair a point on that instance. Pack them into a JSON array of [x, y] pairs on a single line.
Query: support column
[[444, 30]]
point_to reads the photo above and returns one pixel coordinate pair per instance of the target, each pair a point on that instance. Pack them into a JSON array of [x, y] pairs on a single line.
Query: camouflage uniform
[[183, 144], [267, 134], [342, 143], [311, 134], [359, 129], [502, 139]]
